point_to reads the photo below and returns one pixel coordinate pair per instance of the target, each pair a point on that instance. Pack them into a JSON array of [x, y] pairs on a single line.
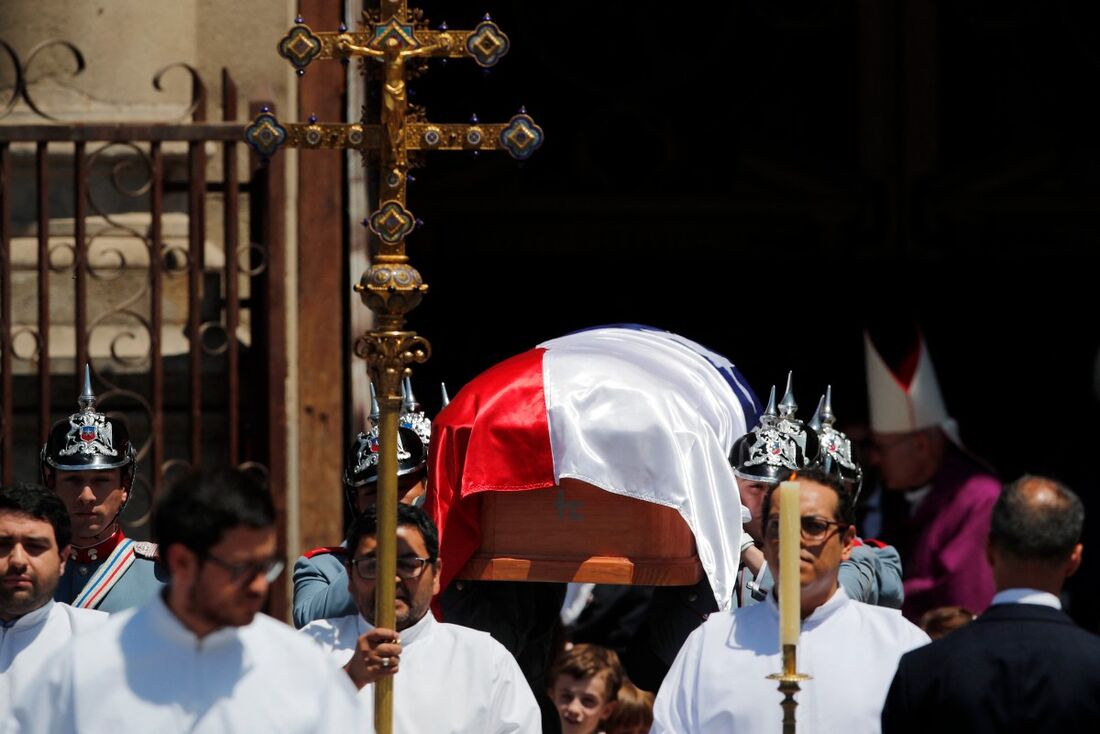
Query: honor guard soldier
[[89, 462], [320, 576]]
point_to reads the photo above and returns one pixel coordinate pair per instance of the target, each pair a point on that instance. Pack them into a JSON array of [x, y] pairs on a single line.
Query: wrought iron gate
[[106, 259]]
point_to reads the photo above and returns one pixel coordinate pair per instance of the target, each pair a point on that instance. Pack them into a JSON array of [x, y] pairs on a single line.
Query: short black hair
[[40, 503], [845, 497], [407, 516], [1029, 530], [197, 511]]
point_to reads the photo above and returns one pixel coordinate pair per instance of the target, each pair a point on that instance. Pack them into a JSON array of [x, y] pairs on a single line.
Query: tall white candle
[[790, 548]]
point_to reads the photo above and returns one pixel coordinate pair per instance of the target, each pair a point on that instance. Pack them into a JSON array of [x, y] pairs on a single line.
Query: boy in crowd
[[585, 687]]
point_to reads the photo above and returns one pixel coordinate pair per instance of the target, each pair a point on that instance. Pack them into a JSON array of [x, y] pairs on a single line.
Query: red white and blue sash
[[106, 576]]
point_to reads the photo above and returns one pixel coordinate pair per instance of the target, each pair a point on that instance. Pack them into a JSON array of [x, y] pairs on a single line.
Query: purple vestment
[[945, 563]]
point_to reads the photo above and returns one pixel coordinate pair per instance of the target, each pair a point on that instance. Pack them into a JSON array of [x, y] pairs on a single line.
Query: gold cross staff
[[391, 287]]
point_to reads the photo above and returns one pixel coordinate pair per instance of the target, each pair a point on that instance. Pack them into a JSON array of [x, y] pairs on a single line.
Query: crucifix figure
[[394, 52], [391, 286]]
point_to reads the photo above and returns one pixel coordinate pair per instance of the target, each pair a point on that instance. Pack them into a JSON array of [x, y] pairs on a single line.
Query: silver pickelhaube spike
[[87, 397], [374, 412], [769, 412], [817, 421], [408, 400], [445, 399], [827, 417], [788, 407], [835, 451]]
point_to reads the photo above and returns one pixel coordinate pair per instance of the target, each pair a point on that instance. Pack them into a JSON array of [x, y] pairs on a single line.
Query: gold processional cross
[[391, 287]]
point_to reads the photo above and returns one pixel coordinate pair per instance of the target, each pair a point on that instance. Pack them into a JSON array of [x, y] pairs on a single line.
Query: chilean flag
[[633, 410]]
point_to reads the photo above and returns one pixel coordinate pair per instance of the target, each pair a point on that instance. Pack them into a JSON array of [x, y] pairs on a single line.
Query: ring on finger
[[385, 662]]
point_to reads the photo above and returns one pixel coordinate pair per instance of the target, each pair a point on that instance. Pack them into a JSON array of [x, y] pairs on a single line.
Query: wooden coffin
[[578, 532]]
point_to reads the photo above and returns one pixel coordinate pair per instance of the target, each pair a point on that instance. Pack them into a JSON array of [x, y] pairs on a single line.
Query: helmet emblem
[[89, 434]]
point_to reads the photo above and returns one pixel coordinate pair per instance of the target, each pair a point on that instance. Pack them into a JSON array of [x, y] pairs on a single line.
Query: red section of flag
[[493, 436]]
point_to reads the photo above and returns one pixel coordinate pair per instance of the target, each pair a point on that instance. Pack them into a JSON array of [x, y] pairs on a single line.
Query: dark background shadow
[[768, 179]]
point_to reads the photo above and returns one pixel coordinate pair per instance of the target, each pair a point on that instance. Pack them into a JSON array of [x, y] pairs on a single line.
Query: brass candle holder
[[788, 686]]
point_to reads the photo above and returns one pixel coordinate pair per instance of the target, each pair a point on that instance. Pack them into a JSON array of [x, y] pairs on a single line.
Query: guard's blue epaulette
[[336, 550]]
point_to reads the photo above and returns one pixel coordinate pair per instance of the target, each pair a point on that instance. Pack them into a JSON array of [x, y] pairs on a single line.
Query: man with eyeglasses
[[320, 578], [872, 572], [718, 682], [777, 445], [199, 657], [447, 678]]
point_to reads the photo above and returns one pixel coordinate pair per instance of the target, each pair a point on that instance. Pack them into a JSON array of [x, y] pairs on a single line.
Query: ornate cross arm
[[266, 135], [486, 44], [520, 137]]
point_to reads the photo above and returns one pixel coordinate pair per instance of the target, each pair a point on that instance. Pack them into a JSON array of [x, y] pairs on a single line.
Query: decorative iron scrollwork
[[21, 88]]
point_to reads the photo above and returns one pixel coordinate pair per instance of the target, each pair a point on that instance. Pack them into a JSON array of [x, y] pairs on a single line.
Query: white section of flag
[[644, 414]]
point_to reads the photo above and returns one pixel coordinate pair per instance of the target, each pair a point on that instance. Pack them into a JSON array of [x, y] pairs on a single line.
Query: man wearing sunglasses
[[198, 657], [474, 683], [851, 649]]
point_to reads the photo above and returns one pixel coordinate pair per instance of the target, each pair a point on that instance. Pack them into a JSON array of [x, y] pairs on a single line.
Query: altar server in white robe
[[718, 682], [35, 537], [199, 657], [447, 678]]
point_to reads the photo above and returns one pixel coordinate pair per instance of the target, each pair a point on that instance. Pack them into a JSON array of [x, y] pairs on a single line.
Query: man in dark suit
[[1022, 666]]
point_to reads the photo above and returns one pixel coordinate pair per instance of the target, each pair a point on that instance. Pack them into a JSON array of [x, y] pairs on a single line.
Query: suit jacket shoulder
[[1018, 667]]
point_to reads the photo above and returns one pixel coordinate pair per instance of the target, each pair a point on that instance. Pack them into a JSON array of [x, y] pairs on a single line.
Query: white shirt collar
[[419, 631], [173, 629], [821, 613], [1027, 596], [31, 618]]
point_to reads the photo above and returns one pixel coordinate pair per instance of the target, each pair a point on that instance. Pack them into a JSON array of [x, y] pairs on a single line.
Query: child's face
[[581, 703]]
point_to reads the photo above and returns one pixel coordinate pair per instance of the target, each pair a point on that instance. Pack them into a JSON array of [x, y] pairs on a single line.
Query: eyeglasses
[[270, 568], [408, 567], [814, 528]]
